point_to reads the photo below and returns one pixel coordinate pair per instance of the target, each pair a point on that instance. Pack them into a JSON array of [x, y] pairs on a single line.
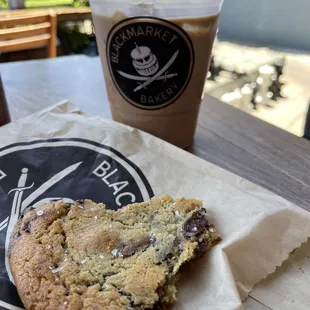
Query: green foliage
[[46, 3], [3, 4], [78, 3], [72, 37]]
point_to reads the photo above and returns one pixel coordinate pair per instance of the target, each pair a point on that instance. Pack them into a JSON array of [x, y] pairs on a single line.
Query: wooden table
[[227, 137], [63, 13]]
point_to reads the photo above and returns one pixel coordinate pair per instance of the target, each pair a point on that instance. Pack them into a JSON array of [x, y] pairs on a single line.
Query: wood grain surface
[[227, 137], [24, 32]]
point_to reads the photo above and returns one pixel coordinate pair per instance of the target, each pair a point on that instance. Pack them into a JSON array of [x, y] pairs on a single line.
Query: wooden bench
[[62, 13], [24, 32]]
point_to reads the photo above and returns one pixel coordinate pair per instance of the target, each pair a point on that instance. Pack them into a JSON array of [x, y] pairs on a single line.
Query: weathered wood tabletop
[[227, 137]]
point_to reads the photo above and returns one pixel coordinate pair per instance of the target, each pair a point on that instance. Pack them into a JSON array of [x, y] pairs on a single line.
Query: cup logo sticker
[[150, 60]]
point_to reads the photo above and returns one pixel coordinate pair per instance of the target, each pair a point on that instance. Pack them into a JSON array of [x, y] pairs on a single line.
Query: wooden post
[[52, 47]]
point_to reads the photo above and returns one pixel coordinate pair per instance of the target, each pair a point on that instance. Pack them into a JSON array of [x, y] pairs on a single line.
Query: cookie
[[84, 256]]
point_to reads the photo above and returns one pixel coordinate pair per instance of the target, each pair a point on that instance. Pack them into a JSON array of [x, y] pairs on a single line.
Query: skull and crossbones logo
[[147, 66], [144, 61]]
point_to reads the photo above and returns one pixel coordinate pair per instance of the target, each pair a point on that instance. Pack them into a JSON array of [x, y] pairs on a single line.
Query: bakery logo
[[69, 169], [150, 60]]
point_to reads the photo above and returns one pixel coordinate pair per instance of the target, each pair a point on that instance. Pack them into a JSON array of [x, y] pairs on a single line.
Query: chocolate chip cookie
[[84, 256]]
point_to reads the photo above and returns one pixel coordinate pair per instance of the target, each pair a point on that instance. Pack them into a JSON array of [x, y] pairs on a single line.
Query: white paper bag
[[63, 153]]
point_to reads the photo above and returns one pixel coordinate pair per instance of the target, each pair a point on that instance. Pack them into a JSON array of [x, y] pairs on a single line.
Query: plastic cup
[[155, 57]]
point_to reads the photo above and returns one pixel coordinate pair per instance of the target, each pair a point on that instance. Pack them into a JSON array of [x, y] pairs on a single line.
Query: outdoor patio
[[287, 113]]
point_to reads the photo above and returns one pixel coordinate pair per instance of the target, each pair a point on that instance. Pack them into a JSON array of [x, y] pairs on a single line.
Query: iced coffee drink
[[155, 68]]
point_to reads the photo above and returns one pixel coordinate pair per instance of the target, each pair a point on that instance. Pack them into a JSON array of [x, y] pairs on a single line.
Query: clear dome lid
[[157, 8]]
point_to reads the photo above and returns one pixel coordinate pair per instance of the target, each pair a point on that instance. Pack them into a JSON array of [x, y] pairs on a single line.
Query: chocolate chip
[[128, 295], [158, 306], [65, 248], [27, 228], [132, 247], [80, 201], [202, 246], [17, 235], [196, 224], [169, 257], [25, 211], [161, 291]]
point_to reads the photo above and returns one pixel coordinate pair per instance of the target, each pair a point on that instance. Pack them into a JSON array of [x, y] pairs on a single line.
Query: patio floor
[[288, 113]]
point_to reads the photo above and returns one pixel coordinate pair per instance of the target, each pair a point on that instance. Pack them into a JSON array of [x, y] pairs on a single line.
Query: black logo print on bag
[[150, 61], [69, 169]]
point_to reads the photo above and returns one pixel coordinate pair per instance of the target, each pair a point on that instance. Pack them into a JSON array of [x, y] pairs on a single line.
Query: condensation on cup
[[155, 56]]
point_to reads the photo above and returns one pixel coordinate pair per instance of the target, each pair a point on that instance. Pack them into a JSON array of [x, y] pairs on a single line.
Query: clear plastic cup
[[155, 57]]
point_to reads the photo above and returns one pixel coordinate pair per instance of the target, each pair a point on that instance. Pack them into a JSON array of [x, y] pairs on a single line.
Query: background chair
[[26, 32]]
